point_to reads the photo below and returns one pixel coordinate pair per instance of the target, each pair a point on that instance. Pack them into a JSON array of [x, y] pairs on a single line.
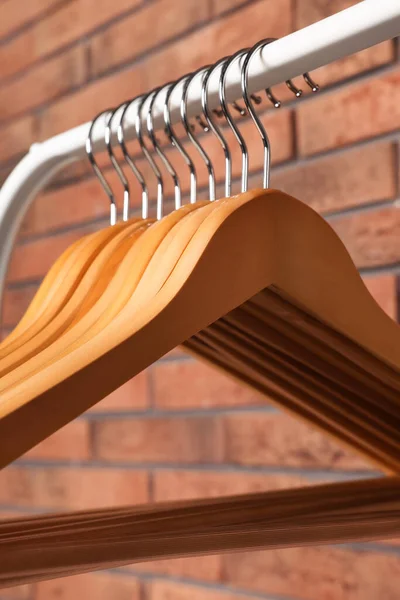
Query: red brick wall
[[181, 430]]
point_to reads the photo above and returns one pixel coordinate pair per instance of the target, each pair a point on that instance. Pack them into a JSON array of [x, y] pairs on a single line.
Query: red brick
[[96, 586], [4, 333], [12, 18], [133, 395], [72, 488], [353, 113], [20, 592], [221, 38], [168, 590], [221, 6], [345, 68], [15, 302], [69, 22], [310, 11], [84, 104], [69, 443], [371, 237], [315, 573], [200, 568], [189, 384], [45, 82], [189, 485], [33, 259], [8, 513], [278, 439], [176, 353], [117, 45], [384, 290], [343, 180], [78, 203], [5, 171], [162, 440], [16, 137]]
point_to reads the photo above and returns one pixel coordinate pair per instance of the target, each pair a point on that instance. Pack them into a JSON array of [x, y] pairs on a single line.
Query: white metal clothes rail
[[342, 34]]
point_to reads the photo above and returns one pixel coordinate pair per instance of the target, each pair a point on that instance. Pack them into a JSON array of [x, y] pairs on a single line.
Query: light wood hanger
[[82, 296], [286, 249], [42, 296], [53, 297], [92, 282], [119, 289], [242, 283]]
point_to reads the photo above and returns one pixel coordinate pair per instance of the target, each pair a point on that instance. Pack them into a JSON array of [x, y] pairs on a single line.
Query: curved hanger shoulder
[[255, 241], [42, 297], [117, 293], [88, 290], [67, 276]]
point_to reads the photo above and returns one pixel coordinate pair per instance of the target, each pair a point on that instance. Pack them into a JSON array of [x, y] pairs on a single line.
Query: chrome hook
[[310, 82], [129, 160], [114, 162], [175, 142], [203, 125], [272, 98], [89, 151], [161, 154], [231, 123], [289, 83], [239, 109], [293, 88], [255, 117], [213, 127], [155, 169], [195, 142]]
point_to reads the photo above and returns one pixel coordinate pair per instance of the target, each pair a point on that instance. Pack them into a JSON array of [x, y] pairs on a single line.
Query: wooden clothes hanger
[[130, 270], [339, 512], [67, 272], [116, 300], [275, 252], [95, 312], [74, 329], [100, 266], [242, 283], [83, 295], [42, 296], [48, 296]]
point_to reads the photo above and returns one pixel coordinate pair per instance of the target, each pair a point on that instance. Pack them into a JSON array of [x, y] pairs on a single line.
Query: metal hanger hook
[[256, 119], [146, 153], [114, 162], [190, 134], [106, 114], [213, 127], [231, 122], [129, 159], [176, 142], [289, 83], [161, 154]]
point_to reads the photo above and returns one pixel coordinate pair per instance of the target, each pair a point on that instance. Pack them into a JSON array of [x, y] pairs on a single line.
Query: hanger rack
[[349, 31], [240, 282]]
